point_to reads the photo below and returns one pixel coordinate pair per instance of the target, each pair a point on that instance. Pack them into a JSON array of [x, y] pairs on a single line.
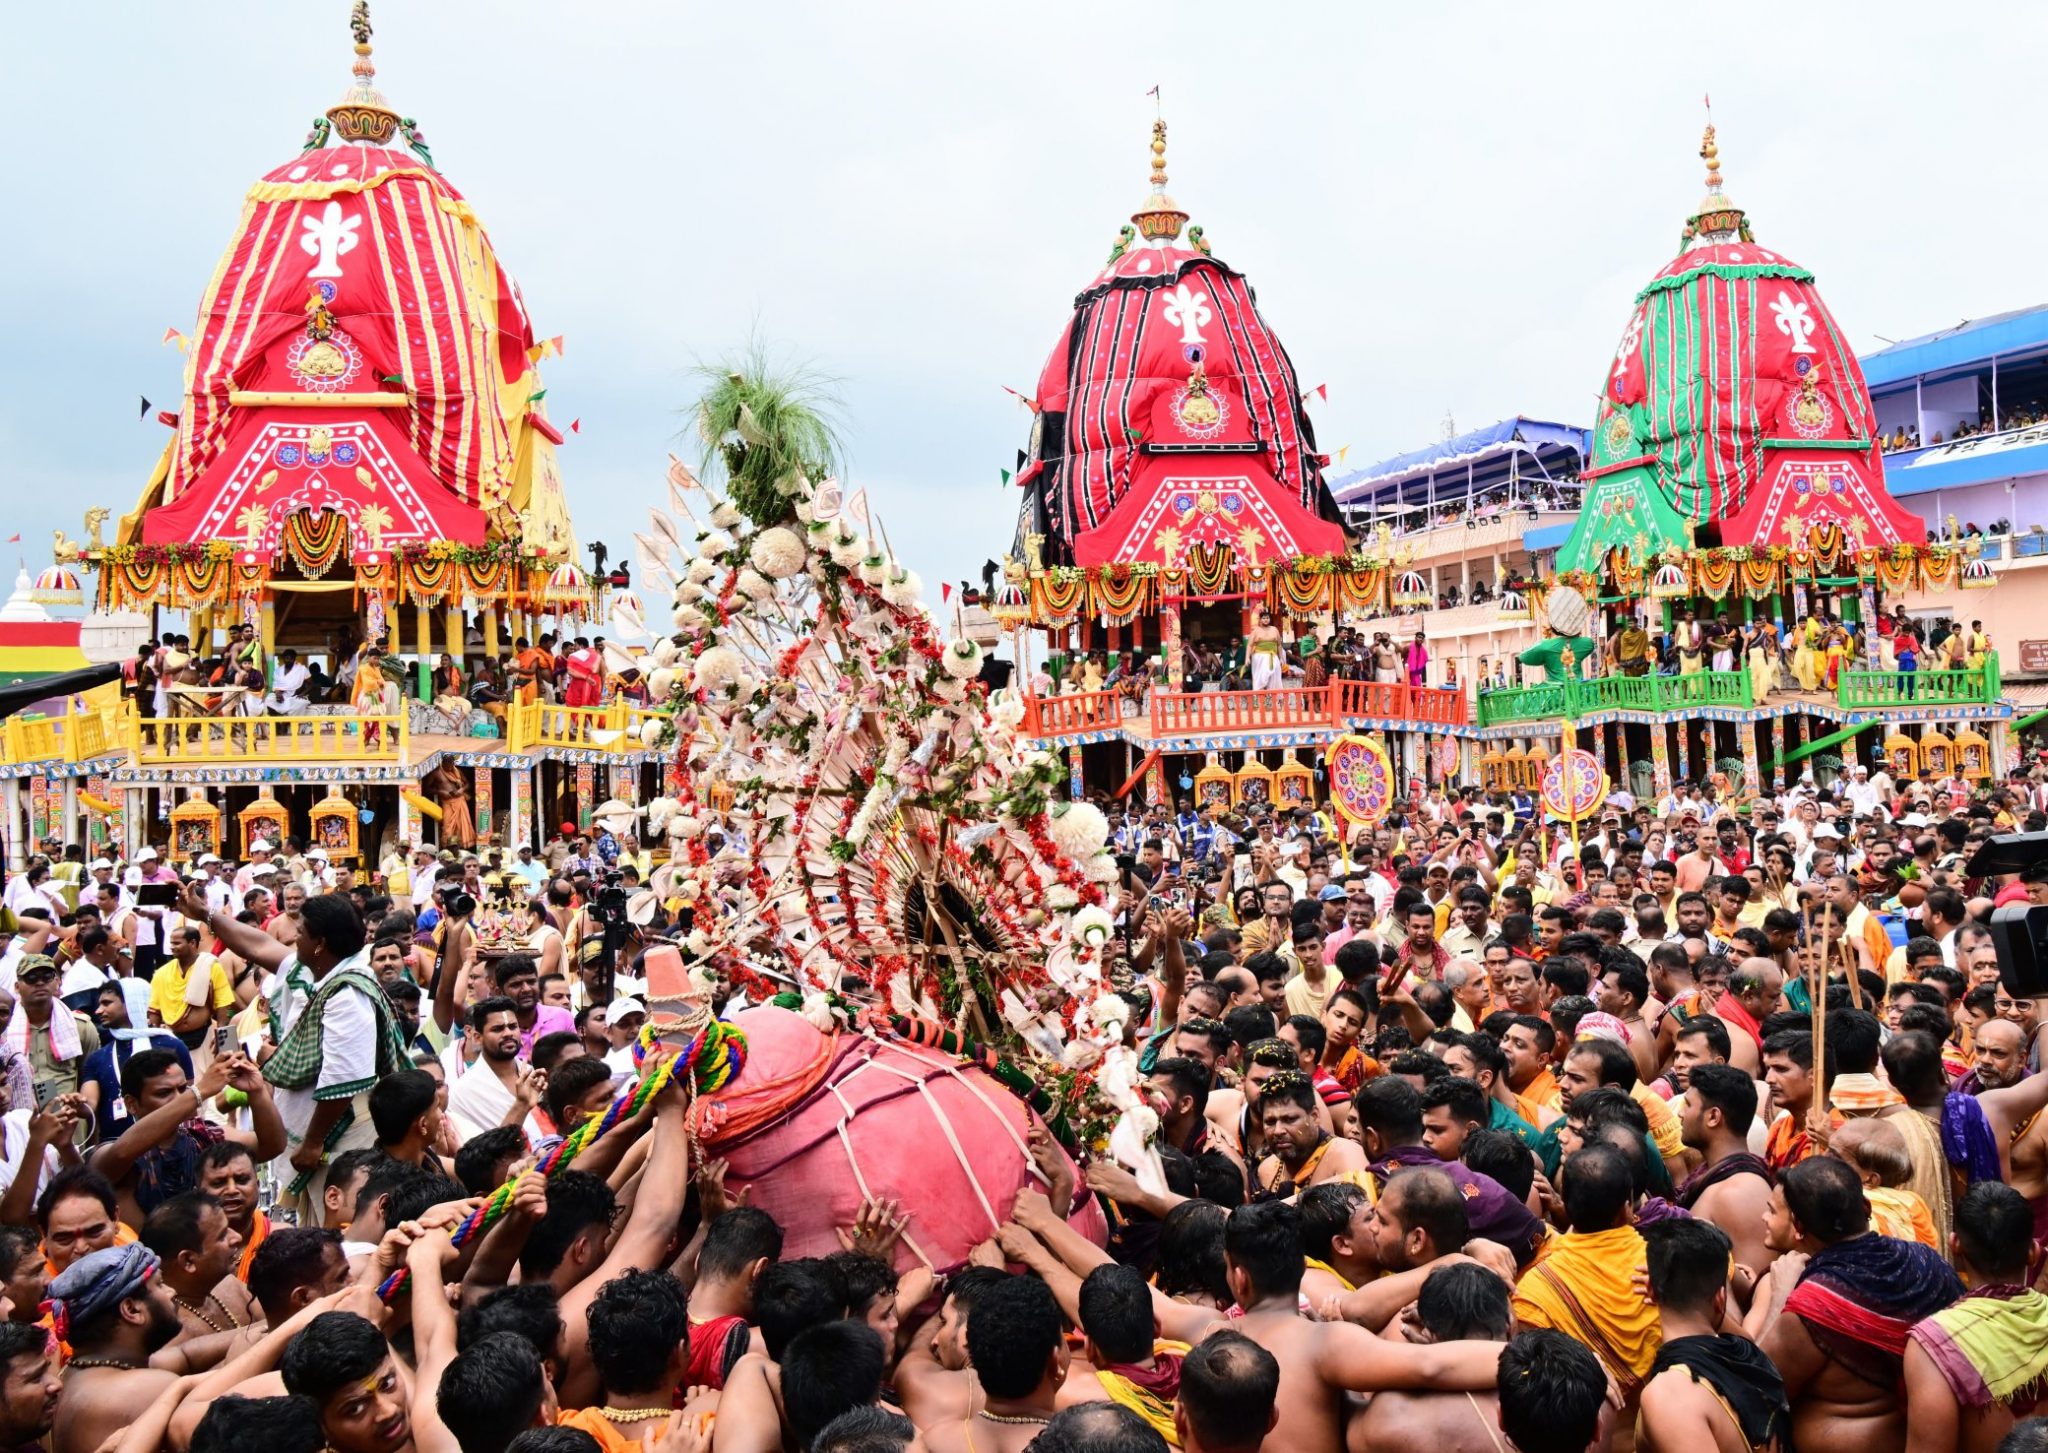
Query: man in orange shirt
[[1788, 1070], [529, 667]]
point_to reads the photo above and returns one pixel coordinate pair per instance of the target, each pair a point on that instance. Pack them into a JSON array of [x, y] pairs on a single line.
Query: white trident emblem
[[1189, 309], [1795, 322], [330, 234]]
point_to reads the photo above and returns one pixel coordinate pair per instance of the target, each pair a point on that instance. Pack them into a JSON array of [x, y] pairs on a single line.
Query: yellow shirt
[[167, 988]]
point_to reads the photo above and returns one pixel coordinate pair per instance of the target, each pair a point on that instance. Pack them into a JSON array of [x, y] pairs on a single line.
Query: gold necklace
[[1018, 1418], [633, 1415]]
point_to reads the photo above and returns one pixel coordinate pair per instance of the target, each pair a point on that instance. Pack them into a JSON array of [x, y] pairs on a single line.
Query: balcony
[[1166, 714], [1555, 700], [617, 726], [257, 740], [1912, 689]]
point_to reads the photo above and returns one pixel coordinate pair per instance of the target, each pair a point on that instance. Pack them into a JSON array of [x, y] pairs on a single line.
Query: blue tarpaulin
[[1967, 346], [1982, 459], [1546, 537], [1544, 450]]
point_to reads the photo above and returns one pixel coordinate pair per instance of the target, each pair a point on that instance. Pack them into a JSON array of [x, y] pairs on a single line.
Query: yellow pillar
[[491, 632], [455, 630], [268, 629], [425, 636]]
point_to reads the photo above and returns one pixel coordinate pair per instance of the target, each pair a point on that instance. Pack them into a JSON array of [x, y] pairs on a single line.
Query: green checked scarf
[[296, 1065]]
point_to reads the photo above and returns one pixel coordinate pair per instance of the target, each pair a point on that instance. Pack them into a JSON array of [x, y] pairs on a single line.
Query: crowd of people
[[1722, 1131]]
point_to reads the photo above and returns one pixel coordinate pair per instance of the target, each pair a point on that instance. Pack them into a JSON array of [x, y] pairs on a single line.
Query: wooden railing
[[190, 740], [617, 726], [1191, 713], [1080, 711], [1978, 687], [77, 737], [1555, 700]]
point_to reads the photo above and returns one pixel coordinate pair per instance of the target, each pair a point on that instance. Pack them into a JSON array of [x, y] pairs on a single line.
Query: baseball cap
[[1332, 894], [145, 853], [102, 865], [262, 845], [1826, 829], [619, 1008], [205, 860]]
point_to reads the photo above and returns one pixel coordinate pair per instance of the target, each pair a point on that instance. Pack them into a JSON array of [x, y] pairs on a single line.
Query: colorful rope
[[713, 1058]]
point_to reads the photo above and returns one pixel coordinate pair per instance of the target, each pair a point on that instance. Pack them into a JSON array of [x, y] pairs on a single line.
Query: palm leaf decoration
[[771, 424]]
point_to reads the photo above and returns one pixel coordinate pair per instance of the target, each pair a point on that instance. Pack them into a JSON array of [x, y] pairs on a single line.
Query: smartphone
[[223, 1039]]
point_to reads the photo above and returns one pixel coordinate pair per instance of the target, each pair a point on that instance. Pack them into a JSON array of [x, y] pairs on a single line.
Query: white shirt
[[348, 1053], [290, 682], [14, 1146], [478, 1101]]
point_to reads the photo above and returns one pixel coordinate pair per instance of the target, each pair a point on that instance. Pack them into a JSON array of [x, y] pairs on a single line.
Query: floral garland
[[314, 547]]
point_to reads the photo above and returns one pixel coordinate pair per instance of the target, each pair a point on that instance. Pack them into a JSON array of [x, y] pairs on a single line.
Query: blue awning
[[1547, 537], [1543, 449], [1969, 343], [1983, 459]]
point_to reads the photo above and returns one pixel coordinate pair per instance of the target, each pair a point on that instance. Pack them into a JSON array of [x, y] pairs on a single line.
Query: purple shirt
[[547, 1019], [1489, 1210]]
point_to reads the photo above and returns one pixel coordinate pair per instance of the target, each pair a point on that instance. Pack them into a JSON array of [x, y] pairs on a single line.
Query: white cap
[[1826, 829], [205, 860], [320, 853], [145, 853], [261, 845], [619, 1008], [263, 870], [1915, 819], [134, 878], [102, 865]]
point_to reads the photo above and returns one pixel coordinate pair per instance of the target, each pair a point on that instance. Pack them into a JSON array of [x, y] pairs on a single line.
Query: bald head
[[1757, 983], [1875, 1149], [2001, 1054]]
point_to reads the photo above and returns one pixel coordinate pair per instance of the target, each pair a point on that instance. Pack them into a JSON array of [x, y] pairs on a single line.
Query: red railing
[[1186, 713], [1072, 714]]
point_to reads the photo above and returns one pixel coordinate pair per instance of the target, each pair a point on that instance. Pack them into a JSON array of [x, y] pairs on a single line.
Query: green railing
[[1556, 699], [1976, 687]]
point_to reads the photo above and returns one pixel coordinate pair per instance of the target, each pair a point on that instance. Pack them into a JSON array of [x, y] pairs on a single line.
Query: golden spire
[[1711, 155], [1161, 218], [1716, 219], [362, 113]]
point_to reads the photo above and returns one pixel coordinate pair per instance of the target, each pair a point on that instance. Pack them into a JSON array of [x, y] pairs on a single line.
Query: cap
[[1915, 819], [145, 853], [423, 851], [619, 1008], [448, 858], [205, 860], [320, 853], [1332, 894], [263, 870], [262, 845], [1826, 829], [102, 865], [1599, 1025]]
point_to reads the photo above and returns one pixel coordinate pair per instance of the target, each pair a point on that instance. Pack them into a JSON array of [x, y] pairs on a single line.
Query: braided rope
[[713, 1058]]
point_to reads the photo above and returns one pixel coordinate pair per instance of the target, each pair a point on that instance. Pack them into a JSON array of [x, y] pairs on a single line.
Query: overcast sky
[[1443, 208]]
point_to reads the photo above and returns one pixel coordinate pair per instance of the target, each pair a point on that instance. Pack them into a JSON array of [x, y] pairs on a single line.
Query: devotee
[[1460, 1302], [1707, 1387], [1732, 1187]]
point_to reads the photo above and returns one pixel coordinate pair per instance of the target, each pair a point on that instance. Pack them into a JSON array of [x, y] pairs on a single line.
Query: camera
[[2019, 931]]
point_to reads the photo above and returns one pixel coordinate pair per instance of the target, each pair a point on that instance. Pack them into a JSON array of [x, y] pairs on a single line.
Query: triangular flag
[[14, 539], [575, 426], [1321, 391], [397, 378], [1133, 435], [1006, 477], [143, 413], [172, 335], [556, 344], [1021, 457], [1342, 452], [945, 586], [538, 396], [1025, 399]]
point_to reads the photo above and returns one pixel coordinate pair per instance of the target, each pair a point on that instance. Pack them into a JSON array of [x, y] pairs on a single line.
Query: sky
[[1445, 209]]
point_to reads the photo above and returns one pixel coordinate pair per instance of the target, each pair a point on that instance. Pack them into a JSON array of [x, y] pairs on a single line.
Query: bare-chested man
[[116, 1311], [1707, 1389], [1459, 1302], [1732, 1188], [1301, 1152]]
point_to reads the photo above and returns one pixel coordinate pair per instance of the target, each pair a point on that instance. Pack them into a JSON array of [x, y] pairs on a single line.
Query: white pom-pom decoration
[[1078, 829], [661, 683], [724, 516], [1092, 927], [961, 660], [847, 549], [714, 545], [720, 667], [778, 553]]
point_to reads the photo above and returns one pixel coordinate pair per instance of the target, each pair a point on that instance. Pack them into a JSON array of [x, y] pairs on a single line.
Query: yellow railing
[[181, 741], [617, 726], [78, 737]]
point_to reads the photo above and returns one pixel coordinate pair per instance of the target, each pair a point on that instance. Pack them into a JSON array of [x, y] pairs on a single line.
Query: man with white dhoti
[[288, 691], [1264, 654]]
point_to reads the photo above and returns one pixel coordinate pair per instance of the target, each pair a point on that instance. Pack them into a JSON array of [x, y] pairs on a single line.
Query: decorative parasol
[[58, 586], [1514, 606], [567, 586], [1669, 583], [1976, 576], [1410, 589]]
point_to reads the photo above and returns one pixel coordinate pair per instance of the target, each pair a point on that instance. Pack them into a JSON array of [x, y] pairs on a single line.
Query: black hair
[[1567, 973], [1358, 962], [1729, 1090], [15, 1243], [332, 919], [1264, 1241], [476, 1164], [1688, 1261], [528, 1309], [1595, 1110], [1825, 1196], [1326, 1210], [289, 1258], [1464, 1097], [792, 1295], [1430, 1199], [1501, 1156], [1391, 1106], [739, 1237], [1217, 1034], [173, 1227], [1267, 967], [1228, 1387], [1420, 1063], [1546, 1036], [72, 1183], [570, 1082], [1116, 1311], [1627, 972], [491, 1392], [864, 1279], [481, 1011], [1617, 1065], [1249, 1023], [828, 1370], [548, 1049], [397, 1100], [1551, 1390], [1218, 1178], [333, 1351], [636, 1322], [233, 1424], [1013, 1333], [1597, 1188], [1712, 1030], [557, 1439], [1190, 1254], [513, 966], [1310, 1032], [1189, 1078], [1464, 1302], [144, 1067], [866, 1429], [577, 1200], [1995, 1225], [1288, 1087]]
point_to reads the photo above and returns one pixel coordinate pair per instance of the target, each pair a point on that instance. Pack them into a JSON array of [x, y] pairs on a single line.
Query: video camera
[[2019, 931]]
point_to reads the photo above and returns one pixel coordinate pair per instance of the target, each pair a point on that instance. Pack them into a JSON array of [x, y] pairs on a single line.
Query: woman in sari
[[450, 698], [1837, 652]]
